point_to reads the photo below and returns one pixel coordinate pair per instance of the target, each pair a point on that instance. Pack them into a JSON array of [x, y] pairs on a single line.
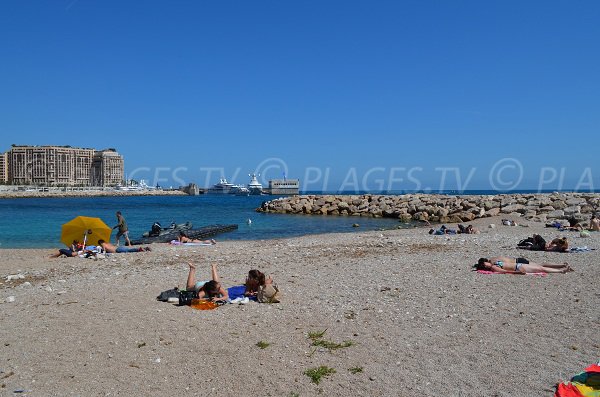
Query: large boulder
[[555, 214], [512, 208]]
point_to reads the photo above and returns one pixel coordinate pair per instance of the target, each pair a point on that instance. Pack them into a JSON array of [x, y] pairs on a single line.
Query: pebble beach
[[382, 313]]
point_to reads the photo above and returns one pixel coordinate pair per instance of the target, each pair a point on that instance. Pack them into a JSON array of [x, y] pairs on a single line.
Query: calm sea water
[[37, 222]]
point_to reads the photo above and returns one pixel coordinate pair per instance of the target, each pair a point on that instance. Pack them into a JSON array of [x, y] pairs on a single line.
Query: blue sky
[[341, 94]]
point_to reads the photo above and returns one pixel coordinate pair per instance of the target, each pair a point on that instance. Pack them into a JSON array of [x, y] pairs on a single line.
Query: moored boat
[[224, 187], [255, 187]]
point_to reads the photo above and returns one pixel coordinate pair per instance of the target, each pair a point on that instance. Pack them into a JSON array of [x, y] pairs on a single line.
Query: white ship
[[224, 187], [132, 187], [255, 186]]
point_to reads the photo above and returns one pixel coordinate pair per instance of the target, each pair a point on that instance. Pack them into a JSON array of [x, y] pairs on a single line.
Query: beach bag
[[268, 294], [539, 244], [526, 243], [186, 297], [170, 293]]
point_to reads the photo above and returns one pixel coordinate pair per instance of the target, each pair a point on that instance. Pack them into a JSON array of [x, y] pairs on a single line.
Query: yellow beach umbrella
[[85, 228]]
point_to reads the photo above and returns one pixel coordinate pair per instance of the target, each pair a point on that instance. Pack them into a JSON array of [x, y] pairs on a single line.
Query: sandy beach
[[418, 321]]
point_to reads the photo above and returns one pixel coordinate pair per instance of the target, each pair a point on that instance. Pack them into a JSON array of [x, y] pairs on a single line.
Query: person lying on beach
[[442, 230], [254, 281], [573, 225], [208, 290], [537, 243], [504, 264], [183, 238], [72, 251], [108, 247], [469, 229], [558, 245]]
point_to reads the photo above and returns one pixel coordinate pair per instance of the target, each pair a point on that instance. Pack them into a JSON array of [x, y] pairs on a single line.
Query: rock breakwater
[[442, 208]]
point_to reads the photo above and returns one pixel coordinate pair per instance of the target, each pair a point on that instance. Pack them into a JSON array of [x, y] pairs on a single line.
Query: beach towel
[[177, 242], [491, 272], [203, 304], [581, 249], [584, 384], [237, 291]]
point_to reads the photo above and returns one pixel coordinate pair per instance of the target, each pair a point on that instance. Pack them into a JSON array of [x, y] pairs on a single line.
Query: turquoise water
[[37, 222]]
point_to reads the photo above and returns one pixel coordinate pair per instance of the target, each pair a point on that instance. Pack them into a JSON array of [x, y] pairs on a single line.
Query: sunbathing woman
[[558, 245], [254, 281], [183, 238], [209, 290], [504, 264]]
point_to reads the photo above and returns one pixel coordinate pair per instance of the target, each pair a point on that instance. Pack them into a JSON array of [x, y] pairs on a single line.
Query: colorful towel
[[237, 291], [584, 384], [491, 272]]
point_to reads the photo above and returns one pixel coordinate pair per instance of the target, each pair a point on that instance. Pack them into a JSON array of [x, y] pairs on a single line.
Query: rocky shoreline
[[93, 193], [442, 208]]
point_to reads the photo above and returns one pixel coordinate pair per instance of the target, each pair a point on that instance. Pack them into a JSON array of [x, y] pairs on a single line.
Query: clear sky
[[344, 95]]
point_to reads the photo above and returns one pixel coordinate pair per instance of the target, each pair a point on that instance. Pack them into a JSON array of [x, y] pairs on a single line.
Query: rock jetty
[[442, 208]]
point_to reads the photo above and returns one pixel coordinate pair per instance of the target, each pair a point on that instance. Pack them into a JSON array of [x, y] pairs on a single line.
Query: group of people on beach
[[212, 290], [79, 249], [469, 229], [520, 265], [503, 264]]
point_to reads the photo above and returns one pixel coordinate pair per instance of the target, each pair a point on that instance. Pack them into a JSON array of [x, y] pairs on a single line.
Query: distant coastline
[[88, 193]]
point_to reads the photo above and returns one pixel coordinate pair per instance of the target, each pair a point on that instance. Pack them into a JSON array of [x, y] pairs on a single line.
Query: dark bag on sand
[[170, 293], [526, 243], [539, 244], [185, 297], [535, 243]]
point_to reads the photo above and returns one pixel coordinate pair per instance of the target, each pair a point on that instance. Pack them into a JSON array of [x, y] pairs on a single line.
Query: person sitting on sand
[[594, 224], [208, 290], [108, 247], [183, 238], [72, 251], [442, 230], [558, 245], [254, 281], [504, 264]]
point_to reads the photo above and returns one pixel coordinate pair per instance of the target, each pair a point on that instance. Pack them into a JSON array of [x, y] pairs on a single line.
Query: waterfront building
[[108, 168], [60, 166], [284, 186], [3, 168]]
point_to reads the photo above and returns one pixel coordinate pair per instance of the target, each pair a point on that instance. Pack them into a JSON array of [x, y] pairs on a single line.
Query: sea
[[37, 222]]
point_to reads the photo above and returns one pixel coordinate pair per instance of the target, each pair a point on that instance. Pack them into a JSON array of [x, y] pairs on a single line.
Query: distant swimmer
[[249, 221]]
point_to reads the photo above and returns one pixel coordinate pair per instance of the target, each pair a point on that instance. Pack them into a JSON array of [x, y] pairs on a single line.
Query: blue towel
[[237, 291], [581, 249]]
